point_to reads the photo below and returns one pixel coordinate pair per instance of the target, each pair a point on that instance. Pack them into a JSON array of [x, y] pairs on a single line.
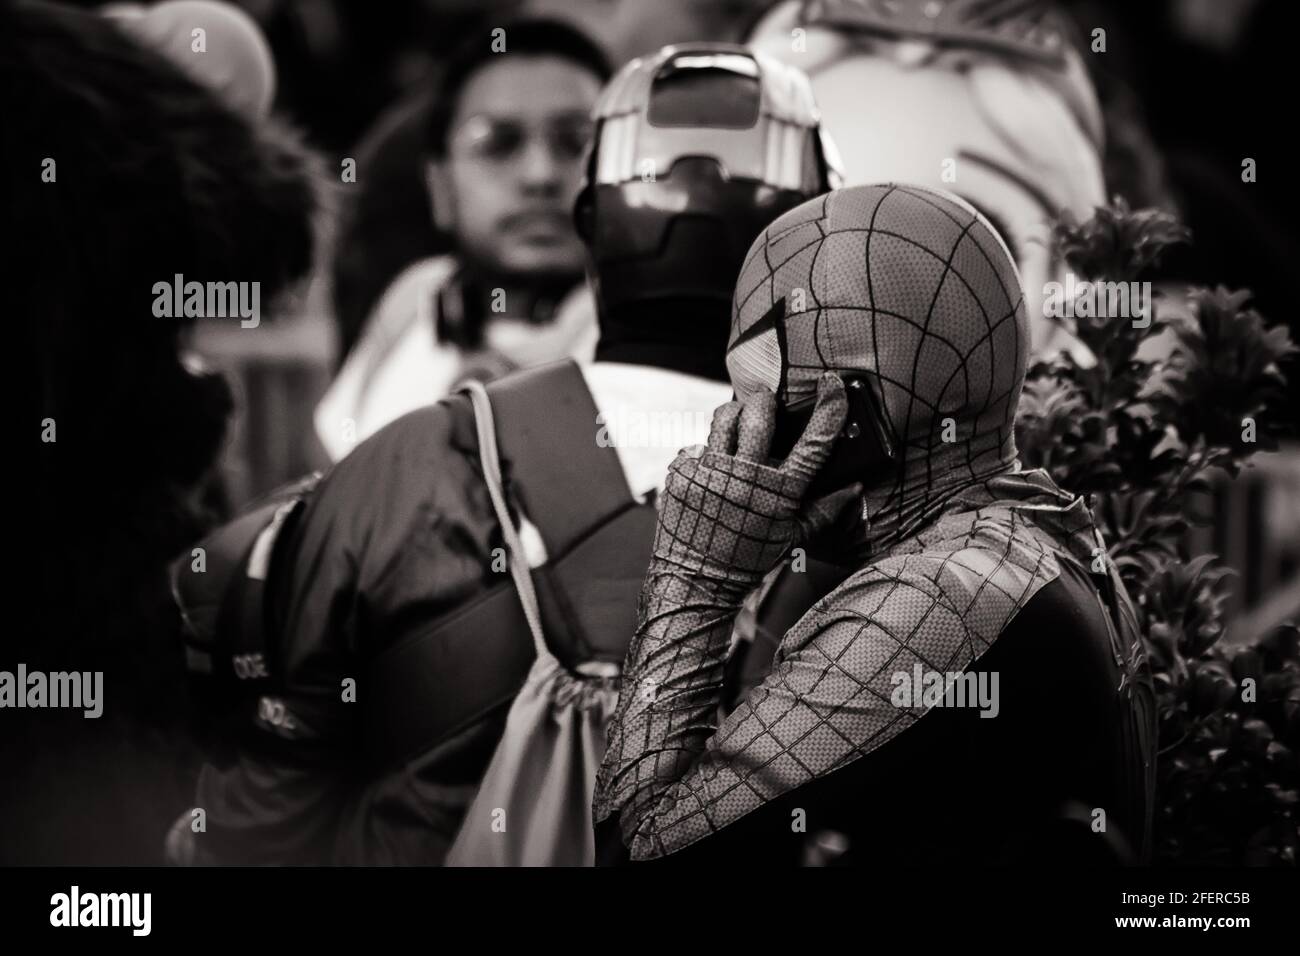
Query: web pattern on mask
[[915, 289]]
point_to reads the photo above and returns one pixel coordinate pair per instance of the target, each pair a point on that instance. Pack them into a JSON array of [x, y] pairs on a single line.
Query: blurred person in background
[[123, 166], [386, 223], [504, 144], [389, 572], [990, 102]]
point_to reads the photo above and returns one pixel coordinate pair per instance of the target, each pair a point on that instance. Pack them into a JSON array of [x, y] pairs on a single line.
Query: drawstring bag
[[533, 807]]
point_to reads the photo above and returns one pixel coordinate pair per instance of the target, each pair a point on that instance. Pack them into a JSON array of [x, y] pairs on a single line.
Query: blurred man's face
[[513, 164]]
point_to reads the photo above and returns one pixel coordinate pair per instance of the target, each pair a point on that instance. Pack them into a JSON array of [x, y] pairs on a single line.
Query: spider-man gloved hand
[[729, 513]]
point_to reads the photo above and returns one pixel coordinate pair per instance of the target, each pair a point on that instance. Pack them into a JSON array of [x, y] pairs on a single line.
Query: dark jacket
[[388, 578]]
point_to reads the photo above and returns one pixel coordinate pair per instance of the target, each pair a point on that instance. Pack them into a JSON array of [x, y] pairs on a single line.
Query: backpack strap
[[488, 458], [564, 480], [452, 672], [573, 489]]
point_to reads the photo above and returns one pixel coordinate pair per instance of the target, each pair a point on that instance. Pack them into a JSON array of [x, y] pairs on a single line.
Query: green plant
[[1163, 408]]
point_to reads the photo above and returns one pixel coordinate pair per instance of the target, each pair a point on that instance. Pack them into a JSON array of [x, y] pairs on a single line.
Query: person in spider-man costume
[[975, 690]]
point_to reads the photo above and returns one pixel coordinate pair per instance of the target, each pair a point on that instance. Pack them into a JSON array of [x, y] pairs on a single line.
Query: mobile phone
[[864, 451]]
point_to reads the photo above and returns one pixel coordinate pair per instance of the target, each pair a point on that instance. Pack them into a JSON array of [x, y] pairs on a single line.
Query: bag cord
[[487, 446]]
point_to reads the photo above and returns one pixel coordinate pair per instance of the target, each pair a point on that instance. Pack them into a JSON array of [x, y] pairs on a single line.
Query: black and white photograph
[[685, 438]]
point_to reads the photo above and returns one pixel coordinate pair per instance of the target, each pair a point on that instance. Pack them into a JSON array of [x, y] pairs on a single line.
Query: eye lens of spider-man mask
[[756, 360]]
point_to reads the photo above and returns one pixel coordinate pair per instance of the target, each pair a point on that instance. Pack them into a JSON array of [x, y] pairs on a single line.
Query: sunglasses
[[499, 139]]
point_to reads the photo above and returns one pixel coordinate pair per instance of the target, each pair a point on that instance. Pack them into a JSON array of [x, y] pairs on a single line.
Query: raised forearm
[[672, 688]]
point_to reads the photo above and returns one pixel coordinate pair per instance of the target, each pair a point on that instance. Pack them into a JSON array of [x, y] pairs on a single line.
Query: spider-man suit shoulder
[[965, 580]]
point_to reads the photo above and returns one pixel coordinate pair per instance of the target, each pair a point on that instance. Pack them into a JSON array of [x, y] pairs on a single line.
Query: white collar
[[648, 414]]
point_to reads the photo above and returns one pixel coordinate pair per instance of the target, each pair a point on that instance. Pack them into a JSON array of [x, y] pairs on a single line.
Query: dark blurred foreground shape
[[154, 176]]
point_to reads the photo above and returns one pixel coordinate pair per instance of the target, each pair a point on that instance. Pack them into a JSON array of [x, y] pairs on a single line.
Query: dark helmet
[[697, 148]]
